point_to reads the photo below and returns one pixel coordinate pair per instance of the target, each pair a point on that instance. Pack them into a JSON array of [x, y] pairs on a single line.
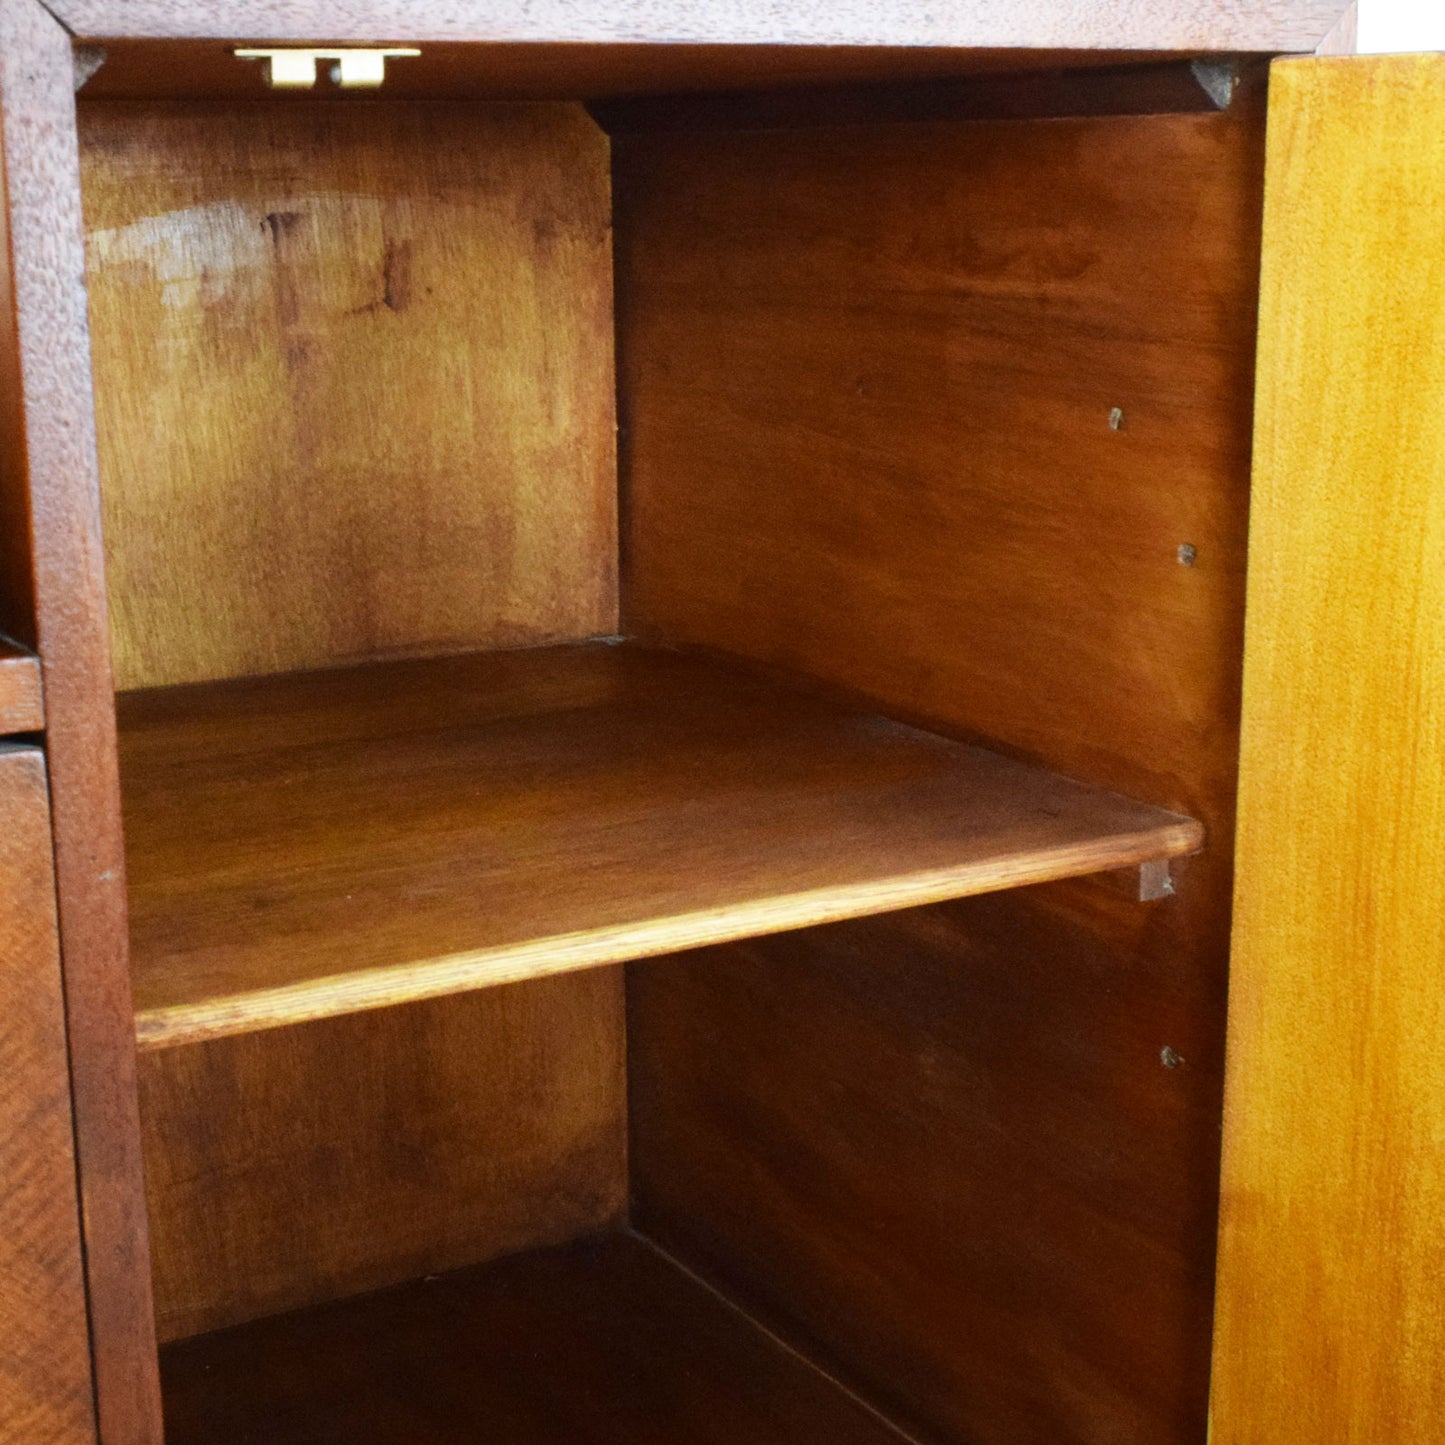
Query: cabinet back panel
[[302, 1164], [354, 378], [867, 382]]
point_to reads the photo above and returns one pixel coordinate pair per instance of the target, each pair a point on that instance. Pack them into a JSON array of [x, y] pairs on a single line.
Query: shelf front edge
[[175, 1024]]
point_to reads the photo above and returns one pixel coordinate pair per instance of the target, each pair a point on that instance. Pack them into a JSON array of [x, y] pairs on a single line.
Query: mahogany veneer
[[319, 843], [934, 334]]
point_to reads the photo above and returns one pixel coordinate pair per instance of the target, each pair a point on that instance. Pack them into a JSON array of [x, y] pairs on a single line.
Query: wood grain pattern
[[939, 1150], [46, 1395], [943, 465], [144, 69], [354, 370], [1344, 38], [605, 1342], [50, 420], [300, 1165], [503, 816], [1229, 25], [22, 706], [885, 363], [1331, 1320]]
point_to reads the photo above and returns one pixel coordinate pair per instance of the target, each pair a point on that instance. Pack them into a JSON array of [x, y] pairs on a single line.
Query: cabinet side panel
[[45, 1386], [55, 421], [353, 366], [1331, 1309], [928, 413], [307, 1163]]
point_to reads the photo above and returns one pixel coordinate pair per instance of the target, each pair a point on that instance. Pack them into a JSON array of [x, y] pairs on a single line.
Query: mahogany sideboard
[[720, 723]]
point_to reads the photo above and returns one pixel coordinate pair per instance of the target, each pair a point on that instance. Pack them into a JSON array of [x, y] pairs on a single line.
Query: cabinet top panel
[[1187, 25]]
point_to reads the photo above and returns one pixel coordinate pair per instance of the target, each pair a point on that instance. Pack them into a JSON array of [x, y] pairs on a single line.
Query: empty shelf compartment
[[604, 1342]]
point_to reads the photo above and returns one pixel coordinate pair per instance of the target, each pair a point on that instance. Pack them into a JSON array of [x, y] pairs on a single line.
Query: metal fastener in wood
[[288, 69]]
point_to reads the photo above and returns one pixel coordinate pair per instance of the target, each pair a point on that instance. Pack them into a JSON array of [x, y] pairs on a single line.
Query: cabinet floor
[[603, 1342]]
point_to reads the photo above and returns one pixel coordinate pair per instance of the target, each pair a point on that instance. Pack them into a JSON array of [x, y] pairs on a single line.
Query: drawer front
[[45, 1385]]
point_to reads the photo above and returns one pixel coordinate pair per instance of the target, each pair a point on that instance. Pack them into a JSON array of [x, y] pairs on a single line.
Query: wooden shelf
[[315, 844], [22, 709], [605, 1342]]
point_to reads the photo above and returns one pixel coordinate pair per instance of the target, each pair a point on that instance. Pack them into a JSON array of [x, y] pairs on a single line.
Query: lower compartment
[[602, 1342]]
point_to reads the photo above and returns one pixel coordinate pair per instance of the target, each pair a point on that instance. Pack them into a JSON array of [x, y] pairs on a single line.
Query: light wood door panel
[[1331, 1303]]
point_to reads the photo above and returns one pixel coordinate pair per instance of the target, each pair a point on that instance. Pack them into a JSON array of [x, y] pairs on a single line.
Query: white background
[[1393, 25]]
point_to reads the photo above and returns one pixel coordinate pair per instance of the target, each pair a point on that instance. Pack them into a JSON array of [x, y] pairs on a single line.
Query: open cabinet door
[[45, 1389], [1331, 1308]]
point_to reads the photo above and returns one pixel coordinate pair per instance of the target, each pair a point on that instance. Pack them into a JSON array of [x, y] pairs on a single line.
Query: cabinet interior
[[623, 563]]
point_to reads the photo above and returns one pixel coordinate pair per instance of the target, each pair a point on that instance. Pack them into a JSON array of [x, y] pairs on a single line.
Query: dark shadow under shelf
[[310, 845]]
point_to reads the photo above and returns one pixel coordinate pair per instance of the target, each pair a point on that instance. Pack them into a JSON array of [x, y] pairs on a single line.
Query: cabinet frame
[[51, 482]]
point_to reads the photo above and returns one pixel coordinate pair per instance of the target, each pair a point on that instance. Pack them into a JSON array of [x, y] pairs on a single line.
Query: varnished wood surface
[[478, 820], [605, 1343], [22, 706], [1228, 25], [143, 69], [354, 371], [1331, 1315], [939, 1149], [50, 423], [885, 362], [304, 1164], [881, 417], [46, 1396]]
